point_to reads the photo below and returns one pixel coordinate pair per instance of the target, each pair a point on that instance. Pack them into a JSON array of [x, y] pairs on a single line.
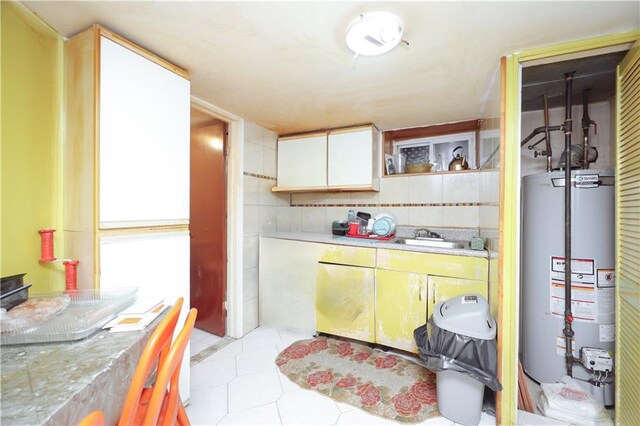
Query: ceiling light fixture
[[374, 33]]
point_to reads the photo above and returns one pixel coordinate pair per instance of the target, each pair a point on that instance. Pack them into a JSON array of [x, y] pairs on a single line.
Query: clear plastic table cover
[[88, 311]]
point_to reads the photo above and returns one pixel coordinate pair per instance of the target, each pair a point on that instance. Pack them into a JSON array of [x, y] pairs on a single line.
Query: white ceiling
[[285, 65]]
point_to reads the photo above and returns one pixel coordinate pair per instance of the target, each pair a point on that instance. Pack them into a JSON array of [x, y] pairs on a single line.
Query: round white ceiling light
[[374, 33]]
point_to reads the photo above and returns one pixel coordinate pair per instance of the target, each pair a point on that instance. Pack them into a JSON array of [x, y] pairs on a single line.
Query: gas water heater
[[593, 278]]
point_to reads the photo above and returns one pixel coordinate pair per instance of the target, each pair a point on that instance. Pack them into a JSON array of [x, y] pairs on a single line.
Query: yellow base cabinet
[[446, 265], [401, 307], [443, 288], [344, 302], [381, 296]]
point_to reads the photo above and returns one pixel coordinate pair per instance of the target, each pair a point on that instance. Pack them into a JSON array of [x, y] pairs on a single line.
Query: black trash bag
[[445, 350]]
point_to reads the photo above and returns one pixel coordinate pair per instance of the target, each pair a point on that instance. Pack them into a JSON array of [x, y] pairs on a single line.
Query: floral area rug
[[370, 379]]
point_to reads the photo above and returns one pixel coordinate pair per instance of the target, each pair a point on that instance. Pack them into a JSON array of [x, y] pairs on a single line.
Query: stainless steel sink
[[431, 242]]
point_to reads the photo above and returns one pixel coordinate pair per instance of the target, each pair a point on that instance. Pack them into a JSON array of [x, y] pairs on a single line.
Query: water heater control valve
[[596, 359]]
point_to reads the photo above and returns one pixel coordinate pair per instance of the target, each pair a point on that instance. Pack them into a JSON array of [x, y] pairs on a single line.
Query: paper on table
[[133, 322]]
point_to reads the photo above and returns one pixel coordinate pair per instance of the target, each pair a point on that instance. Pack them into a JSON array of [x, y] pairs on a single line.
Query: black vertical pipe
[[568, 316], [586, 124], [547, 134]]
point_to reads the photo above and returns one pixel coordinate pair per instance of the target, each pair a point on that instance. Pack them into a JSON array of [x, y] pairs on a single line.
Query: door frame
[[234, 161], [509, 254]]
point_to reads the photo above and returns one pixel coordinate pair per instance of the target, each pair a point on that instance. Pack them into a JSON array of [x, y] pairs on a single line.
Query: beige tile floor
[[240, 384]]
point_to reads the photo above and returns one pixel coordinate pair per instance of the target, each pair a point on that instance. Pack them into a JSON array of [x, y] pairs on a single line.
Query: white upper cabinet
[[351, 158], [143, 141], [339, 160], [302, 162]]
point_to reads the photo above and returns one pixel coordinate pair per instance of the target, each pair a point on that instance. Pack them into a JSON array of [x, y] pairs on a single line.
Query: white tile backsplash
[[250, 283], [253, 162], [297, 198], [314, 198], [336, 213], [268, 219], [283, 198], [337, 198], [251, 220], [365, 197], [269, 139], [425, 189], [489, 217], [250, 252], [461, 188], [283, 219], [250, 315], [251, 190], [253, 133], [460, 216], [260, 210], [267, 197], [394, 190], [425, 216], [296, 219], [313, 220], [400, 213], [269, 162], [490, 187]]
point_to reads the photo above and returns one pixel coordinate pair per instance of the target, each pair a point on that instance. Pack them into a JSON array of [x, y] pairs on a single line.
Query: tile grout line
[[228, 402], [279, 379], [210, 350]]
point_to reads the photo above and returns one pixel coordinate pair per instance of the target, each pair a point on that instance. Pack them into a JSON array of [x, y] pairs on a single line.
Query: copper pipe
[[537, 131]]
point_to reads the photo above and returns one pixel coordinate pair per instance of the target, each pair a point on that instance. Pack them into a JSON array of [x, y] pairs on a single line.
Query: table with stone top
[[60, 383]]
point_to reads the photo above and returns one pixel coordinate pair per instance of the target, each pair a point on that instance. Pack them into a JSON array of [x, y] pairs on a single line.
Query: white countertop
[[373, 243]]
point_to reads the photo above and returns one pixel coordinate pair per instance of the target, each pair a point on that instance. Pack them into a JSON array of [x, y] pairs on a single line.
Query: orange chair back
[[153, 355], [168, 402], [95, 418]]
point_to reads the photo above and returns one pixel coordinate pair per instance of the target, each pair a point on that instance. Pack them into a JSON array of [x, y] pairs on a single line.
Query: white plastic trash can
[[460, 396]]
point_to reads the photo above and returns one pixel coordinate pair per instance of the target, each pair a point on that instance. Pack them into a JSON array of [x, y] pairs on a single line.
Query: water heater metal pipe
[[568, 316], [586, 125], [547, 135]]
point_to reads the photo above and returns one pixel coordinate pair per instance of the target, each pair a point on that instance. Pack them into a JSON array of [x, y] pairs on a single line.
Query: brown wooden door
[[208, 225]]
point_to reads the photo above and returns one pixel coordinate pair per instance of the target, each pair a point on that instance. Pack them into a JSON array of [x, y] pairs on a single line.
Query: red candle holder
[[46, 245], [71, 274]]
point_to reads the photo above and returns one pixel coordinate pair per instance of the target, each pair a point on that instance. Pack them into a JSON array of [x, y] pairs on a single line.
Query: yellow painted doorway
[[509, 269]]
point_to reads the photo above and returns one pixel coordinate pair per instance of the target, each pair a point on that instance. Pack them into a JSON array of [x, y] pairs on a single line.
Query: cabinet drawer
[[474, 268], [352, 256]]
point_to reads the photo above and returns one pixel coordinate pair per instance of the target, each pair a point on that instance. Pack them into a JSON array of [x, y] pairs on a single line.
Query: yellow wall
[[30, 145]]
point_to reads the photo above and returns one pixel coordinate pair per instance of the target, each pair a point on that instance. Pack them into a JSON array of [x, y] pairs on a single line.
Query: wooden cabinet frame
[[81, 147], [391, 136]]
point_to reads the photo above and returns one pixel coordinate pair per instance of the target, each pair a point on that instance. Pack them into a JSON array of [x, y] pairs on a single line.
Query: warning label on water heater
[[592, 297]]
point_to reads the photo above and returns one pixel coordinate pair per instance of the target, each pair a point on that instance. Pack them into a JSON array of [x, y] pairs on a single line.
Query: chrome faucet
[[425, 233]]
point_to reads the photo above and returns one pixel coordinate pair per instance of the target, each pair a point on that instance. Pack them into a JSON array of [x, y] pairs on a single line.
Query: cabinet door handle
[[420, 292]]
